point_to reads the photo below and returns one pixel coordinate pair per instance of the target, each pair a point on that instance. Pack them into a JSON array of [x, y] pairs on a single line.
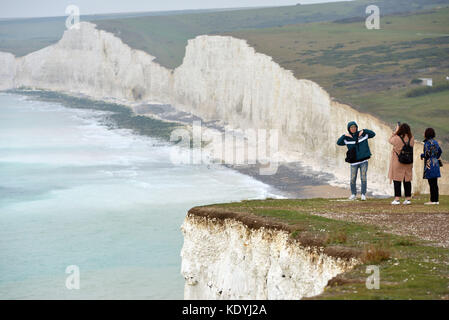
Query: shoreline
[[291, 180], [294, 107], [293, 183]]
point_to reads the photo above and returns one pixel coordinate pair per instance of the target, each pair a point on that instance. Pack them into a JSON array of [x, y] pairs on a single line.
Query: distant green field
[[166, 37], [165, 34], [328, 43], [25, 35], [371, 69], [368, 69]]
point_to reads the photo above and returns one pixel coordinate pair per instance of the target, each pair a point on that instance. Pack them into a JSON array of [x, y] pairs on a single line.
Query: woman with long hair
[[400, 172], [432, 152]]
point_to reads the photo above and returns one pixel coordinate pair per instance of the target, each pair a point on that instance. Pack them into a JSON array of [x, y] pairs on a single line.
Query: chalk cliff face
[[94, 63], [228, 260], [224, 78], [7, 70], [221, 78]]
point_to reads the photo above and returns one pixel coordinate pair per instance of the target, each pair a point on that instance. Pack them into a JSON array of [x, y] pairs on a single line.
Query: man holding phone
[[358, 155]]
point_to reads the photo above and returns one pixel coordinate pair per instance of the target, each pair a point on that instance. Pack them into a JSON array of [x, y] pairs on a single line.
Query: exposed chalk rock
[[228, 260], [221, 78], [95, 63], [7, 70]]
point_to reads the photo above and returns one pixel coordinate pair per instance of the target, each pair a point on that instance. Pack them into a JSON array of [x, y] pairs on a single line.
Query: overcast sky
[[48, 8]]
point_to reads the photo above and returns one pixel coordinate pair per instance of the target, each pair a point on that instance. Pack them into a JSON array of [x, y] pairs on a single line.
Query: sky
[[49, 8]]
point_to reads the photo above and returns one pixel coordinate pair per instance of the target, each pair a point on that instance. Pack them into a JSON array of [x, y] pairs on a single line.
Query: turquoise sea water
[[73, 192]]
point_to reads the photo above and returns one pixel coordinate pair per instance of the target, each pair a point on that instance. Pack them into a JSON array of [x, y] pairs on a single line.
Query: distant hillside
[[24, 35], [371, 69], [374, 70], [166, 37], [165, 34]]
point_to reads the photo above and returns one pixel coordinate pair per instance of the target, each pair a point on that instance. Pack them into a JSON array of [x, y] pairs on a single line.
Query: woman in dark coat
[[432, 152]]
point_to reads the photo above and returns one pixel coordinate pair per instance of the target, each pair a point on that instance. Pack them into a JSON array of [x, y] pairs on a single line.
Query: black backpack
[[351, 154], [406, 155]]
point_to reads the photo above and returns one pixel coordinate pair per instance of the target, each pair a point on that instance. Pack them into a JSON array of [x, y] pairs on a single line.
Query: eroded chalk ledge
[[233, 255]]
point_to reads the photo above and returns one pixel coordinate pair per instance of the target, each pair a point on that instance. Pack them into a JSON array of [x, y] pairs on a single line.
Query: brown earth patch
[[305, 239]]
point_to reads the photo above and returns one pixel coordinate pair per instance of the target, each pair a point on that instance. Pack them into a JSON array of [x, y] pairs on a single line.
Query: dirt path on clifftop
[[414, 220]]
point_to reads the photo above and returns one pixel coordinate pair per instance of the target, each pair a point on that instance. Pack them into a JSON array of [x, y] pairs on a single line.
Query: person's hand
[[396, 130], [348, 135], [361, 132]]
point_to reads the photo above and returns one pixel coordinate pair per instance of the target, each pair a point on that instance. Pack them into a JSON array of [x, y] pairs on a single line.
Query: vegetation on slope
[[371, 70], [164, 34], [410, 268], [21, 36], [368, 69], [166, 37]]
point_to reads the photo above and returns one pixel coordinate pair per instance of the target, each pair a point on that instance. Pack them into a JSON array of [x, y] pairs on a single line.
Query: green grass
[[428, 90], [410, 268], [25, 35], [371, 70], [166, 37], [431, 110], [368, 69], [165, 34]]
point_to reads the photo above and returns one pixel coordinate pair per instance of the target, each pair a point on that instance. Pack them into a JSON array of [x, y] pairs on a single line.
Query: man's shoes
[[352, 197], [396, 202], [407, 202], [363, 197], [432, 203]]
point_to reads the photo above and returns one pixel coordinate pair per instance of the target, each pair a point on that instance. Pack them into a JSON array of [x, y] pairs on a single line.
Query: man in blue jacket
[[362, 155]]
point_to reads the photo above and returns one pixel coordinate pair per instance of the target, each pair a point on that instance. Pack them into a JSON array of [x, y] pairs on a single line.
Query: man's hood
[[350, 124]]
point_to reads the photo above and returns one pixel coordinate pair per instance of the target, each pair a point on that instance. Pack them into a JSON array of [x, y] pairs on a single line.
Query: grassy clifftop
[[412, 263], [372, 70]]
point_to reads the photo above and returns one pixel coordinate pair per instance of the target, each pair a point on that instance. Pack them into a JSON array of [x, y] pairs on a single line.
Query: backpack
[[406, 155], [351, 154]]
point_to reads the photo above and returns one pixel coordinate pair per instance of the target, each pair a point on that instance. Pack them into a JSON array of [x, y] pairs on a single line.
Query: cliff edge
[[316, 249]]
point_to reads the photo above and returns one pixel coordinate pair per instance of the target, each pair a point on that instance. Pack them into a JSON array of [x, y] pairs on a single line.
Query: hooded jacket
[[432, 151], [363, 152]]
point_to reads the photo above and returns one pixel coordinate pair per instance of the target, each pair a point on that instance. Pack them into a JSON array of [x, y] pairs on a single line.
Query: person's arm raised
[[370, 133], [341, 140], [391, 140]]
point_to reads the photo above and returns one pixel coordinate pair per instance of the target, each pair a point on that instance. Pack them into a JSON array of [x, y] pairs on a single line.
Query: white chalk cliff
[[221, 78], [228, 260]]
